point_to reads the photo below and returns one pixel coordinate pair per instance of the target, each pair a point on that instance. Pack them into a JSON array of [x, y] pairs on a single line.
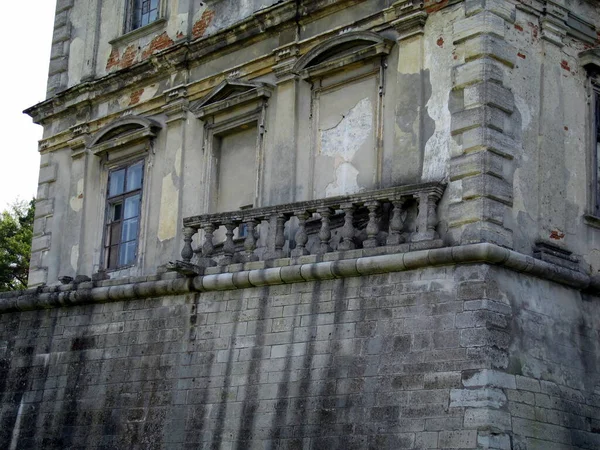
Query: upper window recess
[[142, 13]]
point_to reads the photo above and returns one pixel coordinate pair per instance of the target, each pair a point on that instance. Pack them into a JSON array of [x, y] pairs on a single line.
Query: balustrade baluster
[[279, 236], [426, 218], [432, 200], [396, 224], [347, 233], [228, 245], [373, 225], [250, 242], [208, 247], [301, 235], [187, 252], [325, 232]]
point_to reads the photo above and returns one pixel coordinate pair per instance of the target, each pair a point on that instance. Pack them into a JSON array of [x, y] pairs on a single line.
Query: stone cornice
[[560, 21], [113, 291], [186, 54]]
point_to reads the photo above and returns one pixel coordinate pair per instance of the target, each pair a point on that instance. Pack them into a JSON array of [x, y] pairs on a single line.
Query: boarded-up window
[[346, 153], [236, 170]]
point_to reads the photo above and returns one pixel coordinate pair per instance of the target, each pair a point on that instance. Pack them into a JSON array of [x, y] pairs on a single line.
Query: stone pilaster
[[59, 55], [552, 164], [481, 174], [284, 129], [171, 201], [74, 213], [410, 92], [44, 215]]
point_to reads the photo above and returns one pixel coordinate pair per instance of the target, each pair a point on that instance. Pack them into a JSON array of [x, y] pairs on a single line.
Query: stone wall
[[446, 357]]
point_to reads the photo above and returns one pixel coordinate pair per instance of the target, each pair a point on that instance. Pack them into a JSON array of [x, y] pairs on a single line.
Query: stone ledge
[[485, 253]]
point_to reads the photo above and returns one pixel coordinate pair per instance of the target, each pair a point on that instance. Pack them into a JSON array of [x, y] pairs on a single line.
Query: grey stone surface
[[427, 343]]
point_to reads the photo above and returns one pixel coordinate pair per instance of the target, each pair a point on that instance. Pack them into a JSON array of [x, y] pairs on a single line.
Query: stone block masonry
[[420, 359]]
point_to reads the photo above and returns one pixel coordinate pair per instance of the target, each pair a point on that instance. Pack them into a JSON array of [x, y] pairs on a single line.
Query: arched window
[[123, 148]]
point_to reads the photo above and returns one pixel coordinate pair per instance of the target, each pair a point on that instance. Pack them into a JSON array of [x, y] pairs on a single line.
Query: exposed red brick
[[432, 6], [565, 65], [180, 34], [114, 59], [440, 42], [521, 55], [128, 56], [201, 25], [518, 27], [557, 235], [134, 97], [157, 44]]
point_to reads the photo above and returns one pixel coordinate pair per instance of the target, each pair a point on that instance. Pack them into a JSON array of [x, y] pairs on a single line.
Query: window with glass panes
[[143, 12], [123, 215]]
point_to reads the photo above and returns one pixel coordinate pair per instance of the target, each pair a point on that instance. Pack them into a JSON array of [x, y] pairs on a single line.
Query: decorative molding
[[410, 25], [229, 94], [177, 104], [122, 134], [368, 45], [482, 253]]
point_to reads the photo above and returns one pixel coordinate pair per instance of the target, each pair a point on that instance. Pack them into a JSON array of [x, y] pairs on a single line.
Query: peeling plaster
[[525, 112], [437, 149], [350, 133], [76, 202], [342, 141], [167, 222], [345, 181]]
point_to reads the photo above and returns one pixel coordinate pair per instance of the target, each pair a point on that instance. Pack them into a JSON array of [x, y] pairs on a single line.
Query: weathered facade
[[313, 224]]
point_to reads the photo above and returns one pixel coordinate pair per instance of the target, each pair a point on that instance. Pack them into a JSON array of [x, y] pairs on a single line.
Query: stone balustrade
[[386, 217]]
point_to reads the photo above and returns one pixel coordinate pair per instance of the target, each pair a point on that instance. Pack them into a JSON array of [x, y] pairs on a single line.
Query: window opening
[[143, 12], [123, 215]]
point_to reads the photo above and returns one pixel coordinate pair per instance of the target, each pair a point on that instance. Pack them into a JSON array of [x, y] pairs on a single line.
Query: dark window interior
[[143, 12]]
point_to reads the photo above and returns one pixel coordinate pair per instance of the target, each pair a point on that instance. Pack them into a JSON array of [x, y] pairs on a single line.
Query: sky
[[23, 76]]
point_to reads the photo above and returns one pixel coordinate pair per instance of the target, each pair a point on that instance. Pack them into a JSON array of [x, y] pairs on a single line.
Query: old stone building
[[313, 224]]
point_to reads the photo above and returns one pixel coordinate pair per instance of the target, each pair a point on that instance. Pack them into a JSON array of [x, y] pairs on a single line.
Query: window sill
[[591, 220], [131, 36]]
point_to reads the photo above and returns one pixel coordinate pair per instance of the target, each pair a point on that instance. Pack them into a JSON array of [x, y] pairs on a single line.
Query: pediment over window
[[228, 94], [341, 51], [132, 133]]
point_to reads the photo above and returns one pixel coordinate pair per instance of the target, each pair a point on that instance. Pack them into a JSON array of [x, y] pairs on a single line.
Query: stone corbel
[[177, 104], [80, 138], [410, 18], [554, 23], [286, 58]]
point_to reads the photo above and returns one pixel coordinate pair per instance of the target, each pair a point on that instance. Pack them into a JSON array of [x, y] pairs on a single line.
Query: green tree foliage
[[16, 231]]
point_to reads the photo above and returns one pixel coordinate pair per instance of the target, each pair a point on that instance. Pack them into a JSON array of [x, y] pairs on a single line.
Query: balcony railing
[[386, 217]]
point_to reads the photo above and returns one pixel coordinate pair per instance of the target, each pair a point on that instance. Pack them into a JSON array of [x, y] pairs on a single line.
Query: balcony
[[392, 220]]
